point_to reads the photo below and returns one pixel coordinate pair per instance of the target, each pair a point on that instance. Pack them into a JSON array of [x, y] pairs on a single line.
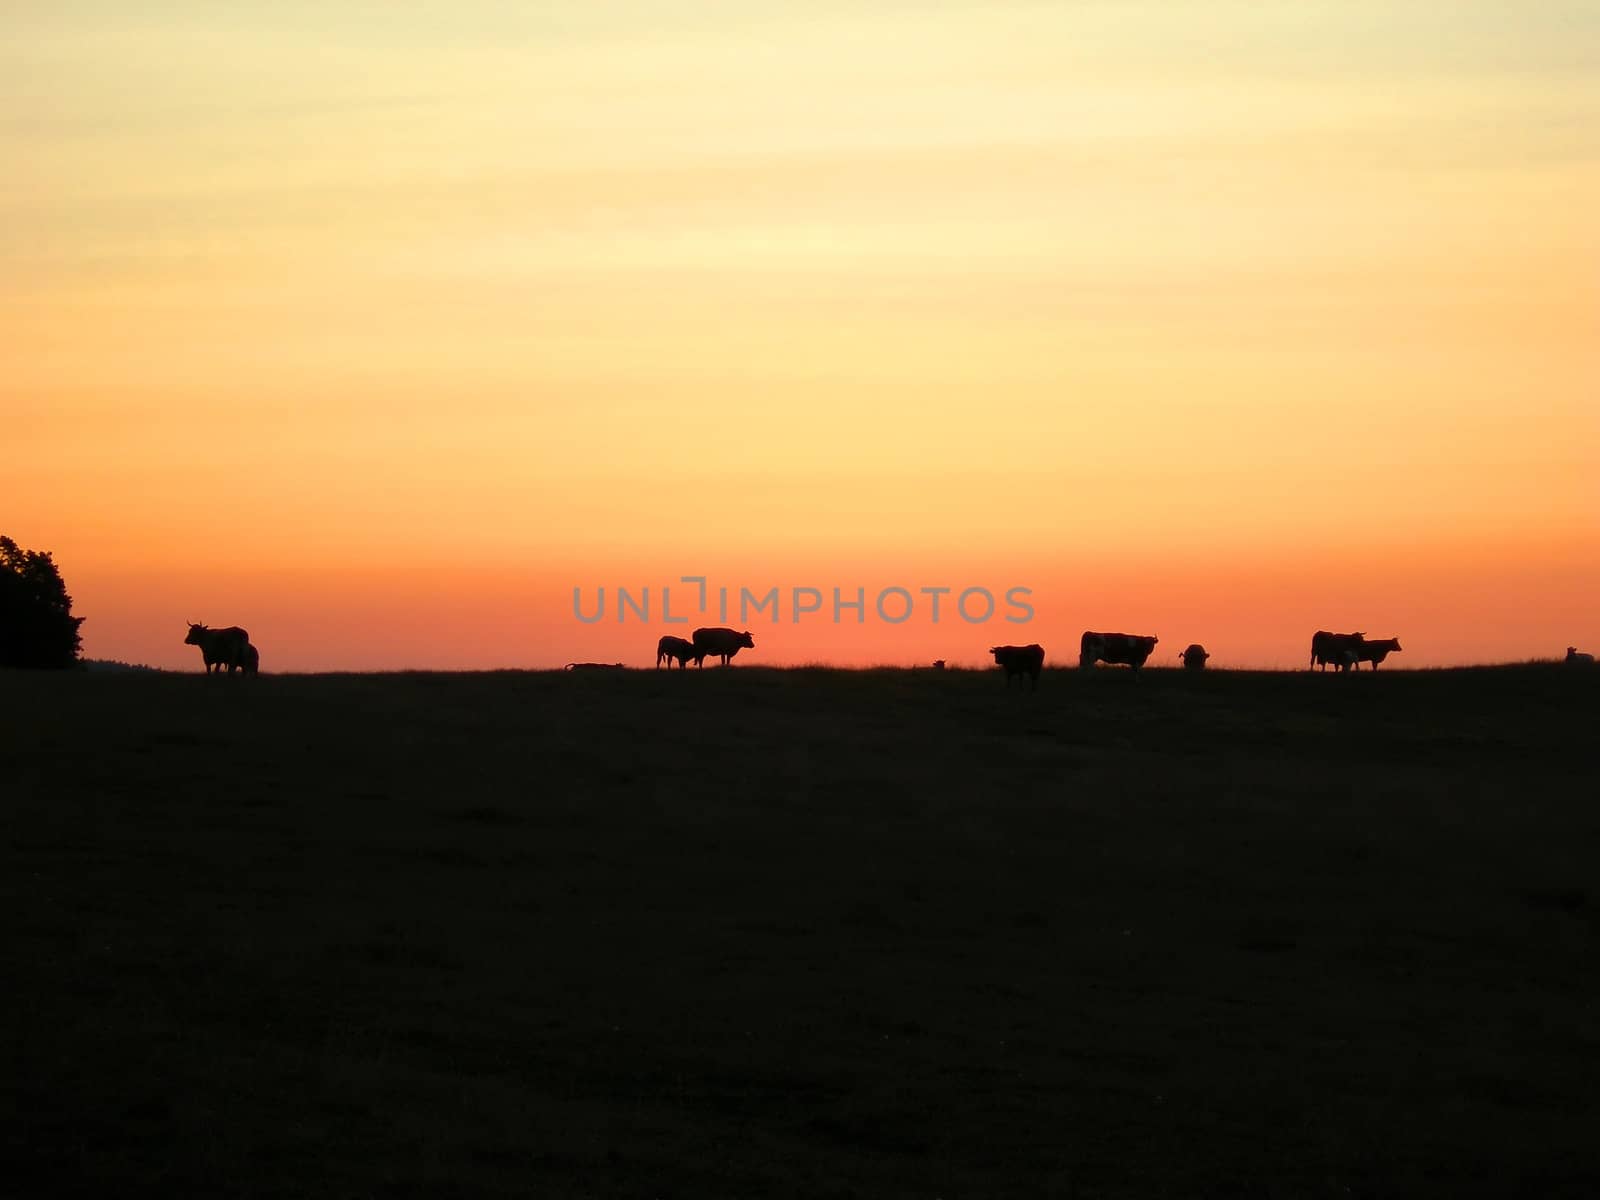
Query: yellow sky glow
[[1226, 321]]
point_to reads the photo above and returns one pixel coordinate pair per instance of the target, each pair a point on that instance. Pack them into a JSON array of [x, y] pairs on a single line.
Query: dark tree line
[[37, 628]]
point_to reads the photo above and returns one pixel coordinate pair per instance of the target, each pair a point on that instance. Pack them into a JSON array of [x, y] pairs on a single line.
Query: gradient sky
[[377, 328]]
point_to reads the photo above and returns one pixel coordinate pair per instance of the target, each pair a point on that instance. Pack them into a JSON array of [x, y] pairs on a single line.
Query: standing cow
[[669, 648], [1343, 650], [1374, 651], [220, 647], [721, 643], [1128, 648], [1020, 660]]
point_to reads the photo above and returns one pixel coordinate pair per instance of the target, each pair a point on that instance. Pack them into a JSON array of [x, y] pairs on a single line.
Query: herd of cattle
[[1344, 651], [230, 648]]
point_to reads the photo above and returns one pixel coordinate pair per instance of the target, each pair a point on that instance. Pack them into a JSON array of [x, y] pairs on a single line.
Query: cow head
[[195, 630], [747, 641]]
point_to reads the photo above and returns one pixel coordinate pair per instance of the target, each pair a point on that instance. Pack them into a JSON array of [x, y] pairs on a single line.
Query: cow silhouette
[[221, 648], [1126, 648], [669, 648], [1020, 660], [720, 642], [1343, 650]]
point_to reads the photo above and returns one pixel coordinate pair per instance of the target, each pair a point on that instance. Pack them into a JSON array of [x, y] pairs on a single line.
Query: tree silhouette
[[37, 628]]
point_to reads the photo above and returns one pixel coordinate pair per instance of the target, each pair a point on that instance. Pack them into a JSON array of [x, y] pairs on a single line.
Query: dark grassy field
[[811, 933]]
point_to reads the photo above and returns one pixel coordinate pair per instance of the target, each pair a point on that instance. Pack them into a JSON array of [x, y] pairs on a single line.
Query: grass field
[[818, 933]]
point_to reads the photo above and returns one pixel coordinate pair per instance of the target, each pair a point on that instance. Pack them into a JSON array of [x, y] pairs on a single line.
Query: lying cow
[[1128, 648], [1194, 657], [669, 648], [1373, 651], [1578, 658], [721, 643], [1020, 660], [1343, 650]]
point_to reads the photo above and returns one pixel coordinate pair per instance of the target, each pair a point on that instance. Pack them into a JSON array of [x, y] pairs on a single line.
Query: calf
[[669, 648]]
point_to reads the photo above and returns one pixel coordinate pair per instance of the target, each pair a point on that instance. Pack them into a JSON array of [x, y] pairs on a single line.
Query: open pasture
[[755, 932]]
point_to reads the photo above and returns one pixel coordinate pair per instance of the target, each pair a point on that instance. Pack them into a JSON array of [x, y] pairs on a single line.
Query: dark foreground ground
[[809, 933]]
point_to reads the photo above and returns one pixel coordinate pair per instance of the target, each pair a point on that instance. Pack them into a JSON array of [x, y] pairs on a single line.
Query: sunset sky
[[377, 328]]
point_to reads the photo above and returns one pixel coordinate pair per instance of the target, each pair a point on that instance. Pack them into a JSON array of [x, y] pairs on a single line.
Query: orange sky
[[379, 332]]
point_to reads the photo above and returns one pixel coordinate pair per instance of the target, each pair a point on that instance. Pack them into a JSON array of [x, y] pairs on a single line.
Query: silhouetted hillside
[[758, 932]]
